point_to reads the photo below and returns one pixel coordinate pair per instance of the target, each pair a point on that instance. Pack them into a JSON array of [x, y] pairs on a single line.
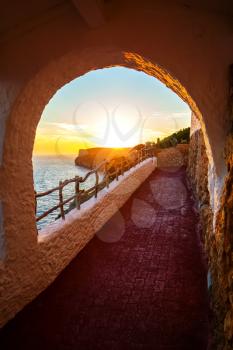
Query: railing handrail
[[68, 181], [93, 191]]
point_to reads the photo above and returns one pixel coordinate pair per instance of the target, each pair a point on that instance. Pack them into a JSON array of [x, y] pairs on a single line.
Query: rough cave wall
[[221, 259], [70, 49], [218, 239], [198, 172]]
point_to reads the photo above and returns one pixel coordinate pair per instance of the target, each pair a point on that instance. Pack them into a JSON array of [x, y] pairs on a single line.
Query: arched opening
[[106, 112], [187, 45], [44, 85]]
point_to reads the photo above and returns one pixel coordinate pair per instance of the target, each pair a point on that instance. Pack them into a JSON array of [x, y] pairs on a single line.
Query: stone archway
[[193, 42], [25, 115], [19, 221], [23, 249]]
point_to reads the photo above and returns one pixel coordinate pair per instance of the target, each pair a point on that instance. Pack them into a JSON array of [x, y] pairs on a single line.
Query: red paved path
[[145, 291]]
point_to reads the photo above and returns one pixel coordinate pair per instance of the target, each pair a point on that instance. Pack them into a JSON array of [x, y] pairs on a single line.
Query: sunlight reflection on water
[[48, 171]]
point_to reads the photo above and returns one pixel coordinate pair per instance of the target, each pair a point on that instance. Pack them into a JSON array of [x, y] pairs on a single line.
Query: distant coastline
[[91, 157]]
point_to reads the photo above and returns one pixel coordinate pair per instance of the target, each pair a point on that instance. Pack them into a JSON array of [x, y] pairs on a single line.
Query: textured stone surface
[[147, 290], [198, 175], [61, 241], [173, 157], [217, 238], [222, 252], [2, 238]]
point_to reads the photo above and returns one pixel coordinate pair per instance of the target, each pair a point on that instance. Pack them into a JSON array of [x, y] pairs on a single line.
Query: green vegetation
[[181, 136]]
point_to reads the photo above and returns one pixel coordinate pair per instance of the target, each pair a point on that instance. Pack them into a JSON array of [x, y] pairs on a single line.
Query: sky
[[112, 107]]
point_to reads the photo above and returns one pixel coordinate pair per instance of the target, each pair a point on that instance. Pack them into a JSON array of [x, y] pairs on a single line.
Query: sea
[[47, 172]]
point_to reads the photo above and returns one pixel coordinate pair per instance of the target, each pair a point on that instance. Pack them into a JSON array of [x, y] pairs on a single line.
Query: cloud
[[53, 128], [156, 114], [181, 114], [66, 126]]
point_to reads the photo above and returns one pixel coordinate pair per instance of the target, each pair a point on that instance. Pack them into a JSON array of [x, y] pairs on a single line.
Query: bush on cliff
[[181, 136]]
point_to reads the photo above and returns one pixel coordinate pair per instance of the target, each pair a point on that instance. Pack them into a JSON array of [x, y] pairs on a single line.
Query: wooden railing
[[111, 169]]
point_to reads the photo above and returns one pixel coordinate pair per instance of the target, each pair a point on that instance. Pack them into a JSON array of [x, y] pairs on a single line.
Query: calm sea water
[[48, 171]]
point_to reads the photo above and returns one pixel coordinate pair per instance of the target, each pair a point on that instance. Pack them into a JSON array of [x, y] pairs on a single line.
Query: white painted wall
[[215, 182]]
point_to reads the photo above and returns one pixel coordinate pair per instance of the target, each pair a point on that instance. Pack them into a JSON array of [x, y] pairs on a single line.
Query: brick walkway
[[144, 290]]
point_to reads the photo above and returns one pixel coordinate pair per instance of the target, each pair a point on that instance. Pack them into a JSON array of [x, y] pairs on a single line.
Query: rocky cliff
[[91, 157]]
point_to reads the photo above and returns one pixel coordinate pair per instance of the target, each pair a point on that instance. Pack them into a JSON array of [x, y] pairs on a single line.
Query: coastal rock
[[91, 157]]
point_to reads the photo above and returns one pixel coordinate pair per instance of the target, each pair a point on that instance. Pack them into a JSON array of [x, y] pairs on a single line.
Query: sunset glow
[[115, 107]]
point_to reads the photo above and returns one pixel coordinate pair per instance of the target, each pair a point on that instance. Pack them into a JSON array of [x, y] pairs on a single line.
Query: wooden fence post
[[117, 170], [77, 200], [96, 183], [122, 167], [106, 174], [61, 200], [35, 203]]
